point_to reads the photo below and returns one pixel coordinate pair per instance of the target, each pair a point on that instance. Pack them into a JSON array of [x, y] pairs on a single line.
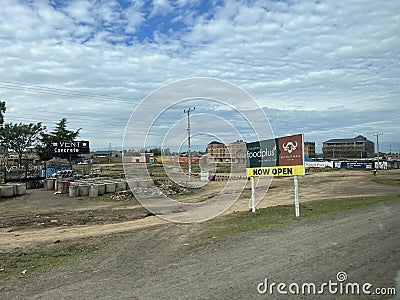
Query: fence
[[28, 172]]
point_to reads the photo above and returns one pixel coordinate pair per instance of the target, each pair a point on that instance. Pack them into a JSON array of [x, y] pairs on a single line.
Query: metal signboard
[[74, 147], [282, 156], [357, 165]]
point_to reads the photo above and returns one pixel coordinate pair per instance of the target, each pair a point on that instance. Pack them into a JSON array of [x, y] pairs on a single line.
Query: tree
[[20, 136], [2, 111], [60, 133], [155, 151], [159, 151], [3, 149]]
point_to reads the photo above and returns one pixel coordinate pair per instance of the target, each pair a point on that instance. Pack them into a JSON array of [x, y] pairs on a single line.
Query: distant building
[[218, 151], [105, 156], [394, 161], [309, 149], [358, 147], [237, 151]]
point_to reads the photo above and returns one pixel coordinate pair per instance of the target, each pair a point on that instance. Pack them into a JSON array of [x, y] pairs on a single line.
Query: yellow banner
[[276, 171]]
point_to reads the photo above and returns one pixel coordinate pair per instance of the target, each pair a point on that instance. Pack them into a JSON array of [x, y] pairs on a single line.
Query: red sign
[[291, 150]]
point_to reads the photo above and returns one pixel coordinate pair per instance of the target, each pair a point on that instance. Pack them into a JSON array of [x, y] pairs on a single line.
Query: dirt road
[[156, 263], [154, 259], [40, 217]]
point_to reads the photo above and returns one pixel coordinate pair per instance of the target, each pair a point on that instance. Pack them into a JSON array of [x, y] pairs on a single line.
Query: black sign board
[[75, 147], [262, 154]]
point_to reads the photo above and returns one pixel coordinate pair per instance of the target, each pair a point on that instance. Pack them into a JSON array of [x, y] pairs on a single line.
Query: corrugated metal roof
[[103, 152], [358, 138]]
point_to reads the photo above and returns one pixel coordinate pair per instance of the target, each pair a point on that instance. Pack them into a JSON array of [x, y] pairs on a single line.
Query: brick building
[[237, 151], [309, 149], [219, 152]]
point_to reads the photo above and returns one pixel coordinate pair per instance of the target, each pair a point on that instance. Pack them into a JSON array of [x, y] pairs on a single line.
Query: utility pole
[[109, 154], [188, 111], [377, 144]]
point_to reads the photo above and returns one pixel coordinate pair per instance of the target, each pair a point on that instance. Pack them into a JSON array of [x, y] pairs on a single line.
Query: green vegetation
[[83, 221], [387, 181], [194, 166], [326, 169], [114, 170], [244, 222], [60, 133], [20, 136], [16, 264], [223, 168], [2, 111]]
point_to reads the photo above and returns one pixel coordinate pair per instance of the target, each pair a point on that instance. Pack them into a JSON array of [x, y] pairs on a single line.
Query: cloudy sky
[[328, 69]]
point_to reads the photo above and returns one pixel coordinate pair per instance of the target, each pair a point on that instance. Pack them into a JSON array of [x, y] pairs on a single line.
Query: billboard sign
[[282, 156], [357, 165], [75, 147], [319, 164]]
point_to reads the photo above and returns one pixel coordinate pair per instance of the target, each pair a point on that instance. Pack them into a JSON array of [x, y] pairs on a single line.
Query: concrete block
[[120, 185], [6, 191], [73, 190], [50, 184], [62, 187], [110, 187], [94, 190], [20, 189], [101, 187], [84, 190]]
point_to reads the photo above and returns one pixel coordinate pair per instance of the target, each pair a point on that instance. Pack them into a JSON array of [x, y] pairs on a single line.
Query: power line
[[60, 92], [53, 116]]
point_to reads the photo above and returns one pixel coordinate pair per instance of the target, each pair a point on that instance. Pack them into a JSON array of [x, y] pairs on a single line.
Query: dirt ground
[[156, 262], [42, 217]]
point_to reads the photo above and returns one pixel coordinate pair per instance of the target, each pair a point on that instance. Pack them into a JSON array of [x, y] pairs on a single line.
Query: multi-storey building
[[309, 149], [358, 147], [218, 151], [238, 151]]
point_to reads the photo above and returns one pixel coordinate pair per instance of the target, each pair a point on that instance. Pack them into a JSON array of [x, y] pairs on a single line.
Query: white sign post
[[253, 196], [296, 196]]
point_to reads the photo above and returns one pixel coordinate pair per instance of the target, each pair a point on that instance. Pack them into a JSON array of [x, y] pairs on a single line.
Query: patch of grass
[[243, 222], [387, 181], [114, 170], [121, 218], [15, 264], [83, 221]]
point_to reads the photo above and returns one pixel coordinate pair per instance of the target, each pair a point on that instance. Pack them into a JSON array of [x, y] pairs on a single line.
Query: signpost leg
[[253, 196], [26, 175], [296, 196]]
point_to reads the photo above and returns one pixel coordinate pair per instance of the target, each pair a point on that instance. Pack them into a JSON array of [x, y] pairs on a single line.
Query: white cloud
[[297, 56], [80, 11], [161, 7]]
